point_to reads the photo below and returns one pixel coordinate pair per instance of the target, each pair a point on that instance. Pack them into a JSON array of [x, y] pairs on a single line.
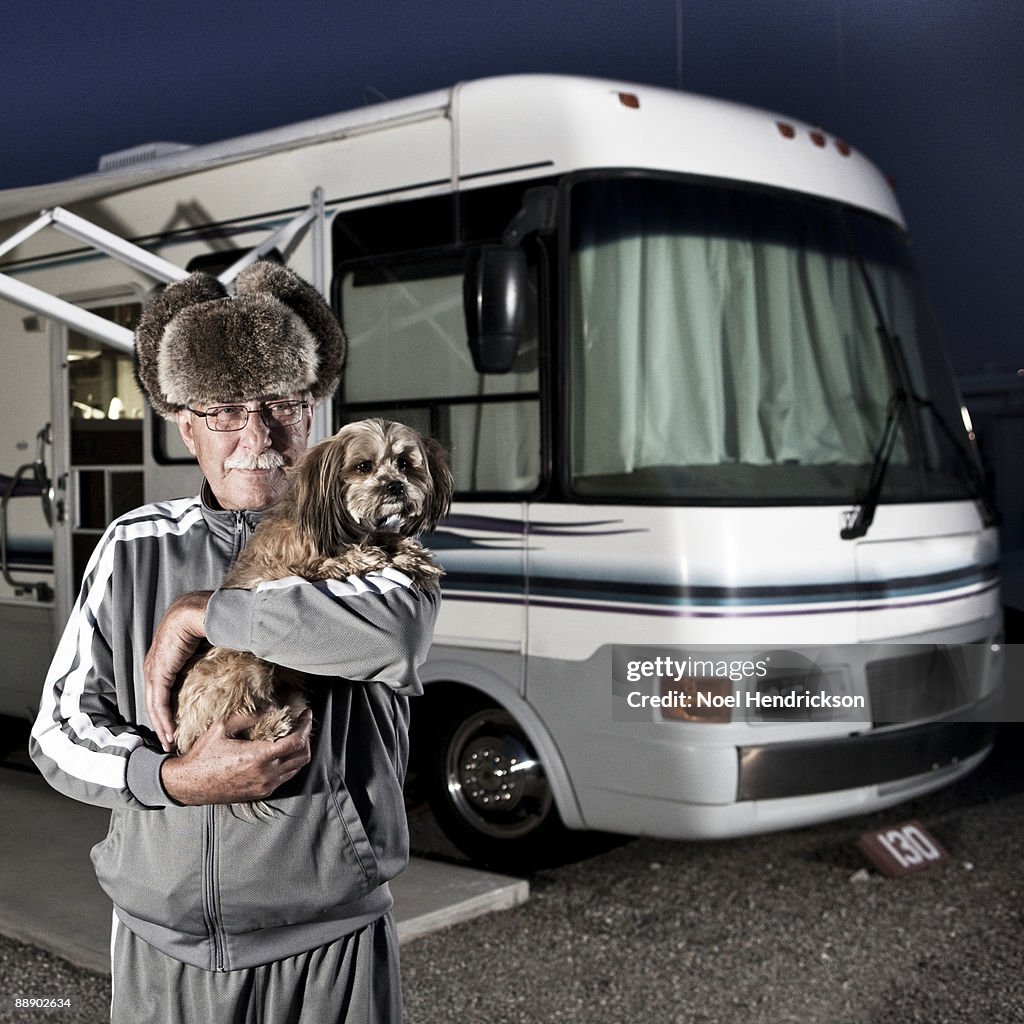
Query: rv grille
[[914, 686]]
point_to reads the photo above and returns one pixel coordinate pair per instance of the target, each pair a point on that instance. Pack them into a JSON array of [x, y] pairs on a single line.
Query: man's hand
[[180, 632], [222, 769]]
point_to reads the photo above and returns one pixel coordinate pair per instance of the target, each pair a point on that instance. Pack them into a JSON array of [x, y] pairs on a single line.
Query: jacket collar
[[226, 523]]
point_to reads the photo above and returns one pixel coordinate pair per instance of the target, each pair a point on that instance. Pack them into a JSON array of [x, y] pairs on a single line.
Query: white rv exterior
[[707, 380]]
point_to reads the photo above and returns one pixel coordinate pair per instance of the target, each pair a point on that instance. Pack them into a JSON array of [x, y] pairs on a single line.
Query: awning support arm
[[67, 313], [285, 238]]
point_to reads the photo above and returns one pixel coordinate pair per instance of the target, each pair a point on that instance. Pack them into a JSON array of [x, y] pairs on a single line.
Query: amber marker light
[[699, 699]]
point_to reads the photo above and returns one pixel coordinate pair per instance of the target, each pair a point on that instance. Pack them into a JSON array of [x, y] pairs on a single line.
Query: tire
[[489, 791]]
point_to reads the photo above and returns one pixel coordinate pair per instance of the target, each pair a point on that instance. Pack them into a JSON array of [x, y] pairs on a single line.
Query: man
[[219, 917]]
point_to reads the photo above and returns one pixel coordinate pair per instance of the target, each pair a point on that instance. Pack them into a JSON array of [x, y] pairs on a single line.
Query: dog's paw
[[257, 810], [273, 725]]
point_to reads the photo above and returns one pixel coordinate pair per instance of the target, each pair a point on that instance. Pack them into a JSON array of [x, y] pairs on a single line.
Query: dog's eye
[[364, 467], [402, 463]]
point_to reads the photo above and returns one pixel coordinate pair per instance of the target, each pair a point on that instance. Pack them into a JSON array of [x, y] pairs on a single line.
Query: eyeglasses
[[236, 417]]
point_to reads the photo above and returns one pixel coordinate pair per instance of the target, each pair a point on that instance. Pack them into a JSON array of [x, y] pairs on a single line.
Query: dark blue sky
[[931, 90]]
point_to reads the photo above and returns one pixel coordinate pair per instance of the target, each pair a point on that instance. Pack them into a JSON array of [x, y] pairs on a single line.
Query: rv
[[720, 561]]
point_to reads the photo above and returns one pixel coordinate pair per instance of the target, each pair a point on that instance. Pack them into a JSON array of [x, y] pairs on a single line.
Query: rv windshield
[[725, 347]]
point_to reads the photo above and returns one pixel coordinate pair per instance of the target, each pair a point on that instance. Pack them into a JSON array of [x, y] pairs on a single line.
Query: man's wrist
[[197, 604], [172, 778]]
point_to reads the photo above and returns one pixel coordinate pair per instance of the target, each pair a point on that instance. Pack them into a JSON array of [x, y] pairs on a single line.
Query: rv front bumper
[[779, 770]]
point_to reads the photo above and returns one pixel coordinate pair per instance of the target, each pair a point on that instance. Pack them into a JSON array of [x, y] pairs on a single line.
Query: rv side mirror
[[494, 297]]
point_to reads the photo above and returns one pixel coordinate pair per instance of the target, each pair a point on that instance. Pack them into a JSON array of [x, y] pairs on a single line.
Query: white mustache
[[269, 459]]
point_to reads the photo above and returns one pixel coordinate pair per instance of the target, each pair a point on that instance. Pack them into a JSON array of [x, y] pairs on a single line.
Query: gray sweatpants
[[352, 981]]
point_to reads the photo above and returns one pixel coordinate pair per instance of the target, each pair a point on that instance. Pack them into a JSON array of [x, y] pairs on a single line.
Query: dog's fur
[[355, 505]]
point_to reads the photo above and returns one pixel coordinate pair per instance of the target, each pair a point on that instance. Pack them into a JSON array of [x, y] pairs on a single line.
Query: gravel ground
[[780, 928]]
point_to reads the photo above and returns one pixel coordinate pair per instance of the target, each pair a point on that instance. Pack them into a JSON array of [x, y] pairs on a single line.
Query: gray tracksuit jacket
[[204, 884]]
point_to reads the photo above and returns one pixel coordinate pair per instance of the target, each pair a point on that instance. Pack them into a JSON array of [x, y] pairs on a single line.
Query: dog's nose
[[395, 489]]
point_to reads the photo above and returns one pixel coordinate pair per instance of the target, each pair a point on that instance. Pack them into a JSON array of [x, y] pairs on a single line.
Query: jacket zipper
[[211, 894], [240, 537], [211, 897], [244, 527]]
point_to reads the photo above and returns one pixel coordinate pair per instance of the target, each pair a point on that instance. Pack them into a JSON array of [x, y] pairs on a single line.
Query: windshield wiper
[[900, 375], [868, 504], [902, 396], [975, 477]]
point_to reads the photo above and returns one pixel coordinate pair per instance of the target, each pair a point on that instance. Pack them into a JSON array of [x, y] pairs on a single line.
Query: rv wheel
[[489, 791]]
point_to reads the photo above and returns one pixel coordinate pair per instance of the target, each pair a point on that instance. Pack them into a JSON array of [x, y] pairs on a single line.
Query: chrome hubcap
[[495, 782]]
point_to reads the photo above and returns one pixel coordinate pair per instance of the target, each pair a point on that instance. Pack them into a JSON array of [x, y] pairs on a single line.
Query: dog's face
[[372, 474]]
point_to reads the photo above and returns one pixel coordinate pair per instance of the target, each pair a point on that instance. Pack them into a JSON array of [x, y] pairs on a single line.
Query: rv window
[[409, 360], [101, 380], [725, 347]]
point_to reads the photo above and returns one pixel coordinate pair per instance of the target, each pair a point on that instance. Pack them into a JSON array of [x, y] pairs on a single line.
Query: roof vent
[[139, 155]]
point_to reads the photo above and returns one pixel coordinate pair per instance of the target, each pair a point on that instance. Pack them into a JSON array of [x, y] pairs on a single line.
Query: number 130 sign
[[902, 849]]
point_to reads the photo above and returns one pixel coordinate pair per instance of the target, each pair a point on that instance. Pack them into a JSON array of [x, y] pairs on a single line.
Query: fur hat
[[195, 343]]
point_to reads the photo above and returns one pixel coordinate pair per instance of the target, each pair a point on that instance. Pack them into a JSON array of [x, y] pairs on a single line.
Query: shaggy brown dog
[[356, 504]]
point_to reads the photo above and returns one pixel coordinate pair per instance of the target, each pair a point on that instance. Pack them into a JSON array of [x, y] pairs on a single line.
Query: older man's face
[[246, 468]]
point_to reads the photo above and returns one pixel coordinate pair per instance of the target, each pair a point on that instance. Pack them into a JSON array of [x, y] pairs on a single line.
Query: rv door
[[98, 419]]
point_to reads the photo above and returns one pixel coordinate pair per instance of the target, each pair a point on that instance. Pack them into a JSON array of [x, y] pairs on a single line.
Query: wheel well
[[444, 695], [426, 712], [460, 693]]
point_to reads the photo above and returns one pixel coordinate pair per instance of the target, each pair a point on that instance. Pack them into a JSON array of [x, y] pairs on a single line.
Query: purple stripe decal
[[734, 612]]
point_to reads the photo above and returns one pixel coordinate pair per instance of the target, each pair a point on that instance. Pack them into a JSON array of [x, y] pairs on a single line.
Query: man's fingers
[[158, 705], [304, 724], [164, 723], [292, 752], [293, 759], [177, 636]]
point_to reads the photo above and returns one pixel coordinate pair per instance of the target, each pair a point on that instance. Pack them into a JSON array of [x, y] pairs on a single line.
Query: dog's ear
[[318, 492], [439, 499]]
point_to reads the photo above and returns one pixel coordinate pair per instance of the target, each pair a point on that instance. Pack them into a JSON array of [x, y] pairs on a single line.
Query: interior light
[[629, 99], [786, 130], [818, 138]]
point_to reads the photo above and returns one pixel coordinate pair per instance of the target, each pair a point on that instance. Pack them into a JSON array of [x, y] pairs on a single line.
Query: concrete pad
[[431, 895], [49, 896]]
